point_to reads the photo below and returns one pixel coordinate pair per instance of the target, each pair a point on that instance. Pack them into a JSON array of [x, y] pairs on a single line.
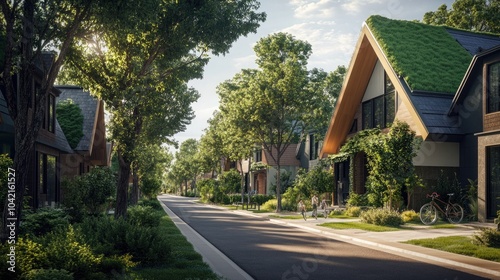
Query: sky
[[332, 27]]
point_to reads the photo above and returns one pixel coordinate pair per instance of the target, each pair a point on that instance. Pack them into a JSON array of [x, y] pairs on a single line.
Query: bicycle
[[429, 211]]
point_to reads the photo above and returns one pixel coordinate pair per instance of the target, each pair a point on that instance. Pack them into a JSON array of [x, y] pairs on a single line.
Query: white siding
[[376, 85]]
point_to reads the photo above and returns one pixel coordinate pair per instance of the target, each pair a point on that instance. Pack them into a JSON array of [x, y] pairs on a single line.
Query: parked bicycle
[[452, 211]]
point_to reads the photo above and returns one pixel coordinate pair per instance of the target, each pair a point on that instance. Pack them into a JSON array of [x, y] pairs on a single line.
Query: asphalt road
[[269, 251]]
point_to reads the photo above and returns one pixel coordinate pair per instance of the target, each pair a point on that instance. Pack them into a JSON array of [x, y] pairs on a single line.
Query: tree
[[187, 165], [475, 15], [211, 146], [29, 28], [275, 102], [140, 57]]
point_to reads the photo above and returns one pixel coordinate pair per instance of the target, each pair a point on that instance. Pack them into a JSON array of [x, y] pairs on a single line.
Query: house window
[[258, 156], [47, 180], [312, 147], [381, 110], [354, 126], [493, 180], [493, 97]]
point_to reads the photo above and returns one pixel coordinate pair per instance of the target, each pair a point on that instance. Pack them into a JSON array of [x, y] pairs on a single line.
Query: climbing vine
[[70, 118], [390, 163]]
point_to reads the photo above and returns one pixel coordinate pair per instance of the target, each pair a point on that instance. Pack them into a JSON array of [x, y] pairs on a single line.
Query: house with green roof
[[412, 72]]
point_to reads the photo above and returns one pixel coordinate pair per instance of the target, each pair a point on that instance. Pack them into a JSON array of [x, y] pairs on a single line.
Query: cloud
[[330, 47], [356, 6], [313, 9]]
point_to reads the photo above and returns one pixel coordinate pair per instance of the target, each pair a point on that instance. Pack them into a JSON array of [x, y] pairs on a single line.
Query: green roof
[[426, 56]]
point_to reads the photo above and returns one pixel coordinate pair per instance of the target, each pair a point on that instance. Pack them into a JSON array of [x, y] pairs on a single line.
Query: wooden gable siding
[[363, 61]]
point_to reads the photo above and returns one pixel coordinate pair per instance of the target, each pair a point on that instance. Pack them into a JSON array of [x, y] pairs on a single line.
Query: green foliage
[[207, 189], [230, 182], [150, 187], [65, 251], [147, 245], [353, 211], [470, 15], [48, 274], [356, 199], [272, 204], [317, 181], [382, 217], [143, 216], [88, 194], [43, 221], [488, 238], [472, 209], [153, 203], [70, 118], [410, 216], [413, 49]]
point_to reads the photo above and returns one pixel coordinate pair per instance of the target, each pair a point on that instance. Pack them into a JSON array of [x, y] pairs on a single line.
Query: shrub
[[410, 216], [48, 274], [353, 211], [153, 203], [5, 163], [65, 250], [89, 193], [337, 212], [488, 237], [382, 217], [143, 216], [357, 199], [147, 245], [43, 221], [270, 205]]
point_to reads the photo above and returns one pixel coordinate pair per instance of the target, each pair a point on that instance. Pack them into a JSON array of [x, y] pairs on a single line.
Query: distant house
[[409, 71]]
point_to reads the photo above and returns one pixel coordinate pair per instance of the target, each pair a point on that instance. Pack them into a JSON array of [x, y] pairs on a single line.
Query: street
[[266, 250]]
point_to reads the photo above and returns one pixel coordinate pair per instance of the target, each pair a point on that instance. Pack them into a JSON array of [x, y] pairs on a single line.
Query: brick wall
[[491, 121]]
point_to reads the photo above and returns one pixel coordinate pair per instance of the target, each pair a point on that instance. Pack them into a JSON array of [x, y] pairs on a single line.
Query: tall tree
[[475, 15], [211, 146], [187, 165], [274, 102], [140, 56], [28, 28]]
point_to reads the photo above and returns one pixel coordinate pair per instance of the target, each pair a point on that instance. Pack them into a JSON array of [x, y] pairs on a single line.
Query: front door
[[342, 179]]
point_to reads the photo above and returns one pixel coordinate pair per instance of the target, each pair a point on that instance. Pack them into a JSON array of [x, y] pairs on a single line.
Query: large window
[[380, 111], [493, 97], [493, 180]]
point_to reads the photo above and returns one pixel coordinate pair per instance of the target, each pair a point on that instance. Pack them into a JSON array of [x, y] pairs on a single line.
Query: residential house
[[409, 71], [54, 158], [263, 174], [93, 148]]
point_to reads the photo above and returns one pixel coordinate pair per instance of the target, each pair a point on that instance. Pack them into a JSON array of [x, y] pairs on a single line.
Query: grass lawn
[[358, 225], [459, 245], [185, 262]]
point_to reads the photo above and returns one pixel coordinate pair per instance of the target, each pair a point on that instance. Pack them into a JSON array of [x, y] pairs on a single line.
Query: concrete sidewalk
[[391, 241]]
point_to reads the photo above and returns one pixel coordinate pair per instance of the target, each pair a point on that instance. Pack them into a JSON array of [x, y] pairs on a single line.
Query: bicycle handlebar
[[433, 195]]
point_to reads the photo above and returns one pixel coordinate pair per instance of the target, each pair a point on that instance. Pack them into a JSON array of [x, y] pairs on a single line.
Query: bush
[[382, 217], [43, 221], [147, 245], [89, 193], [410, 216], [143, 216], [48, 274], [65, 250], [153, 203], [357, 199], [488, 237], [353, 211], [272, 204]]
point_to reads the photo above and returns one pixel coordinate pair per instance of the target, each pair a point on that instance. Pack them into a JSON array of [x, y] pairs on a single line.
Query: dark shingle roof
[[88, 105], [58, 142], [474, 43]]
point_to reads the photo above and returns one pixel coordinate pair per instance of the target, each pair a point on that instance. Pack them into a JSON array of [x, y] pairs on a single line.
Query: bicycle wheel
[[428, 214], [455, 213]]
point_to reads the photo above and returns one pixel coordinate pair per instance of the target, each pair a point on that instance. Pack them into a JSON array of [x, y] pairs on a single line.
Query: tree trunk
[[134, 195], [242, 182], [122, 187], [278, 183]]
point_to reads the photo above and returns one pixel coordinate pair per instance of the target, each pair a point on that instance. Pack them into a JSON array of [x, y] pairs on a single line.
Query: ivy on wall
[[70, 118], [390, 162]]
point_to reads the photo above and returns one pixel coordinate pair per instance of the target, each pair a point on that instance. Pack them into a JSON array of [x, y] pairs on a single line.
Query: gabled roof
[[425, 63], [474, 67], [94, 132]]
